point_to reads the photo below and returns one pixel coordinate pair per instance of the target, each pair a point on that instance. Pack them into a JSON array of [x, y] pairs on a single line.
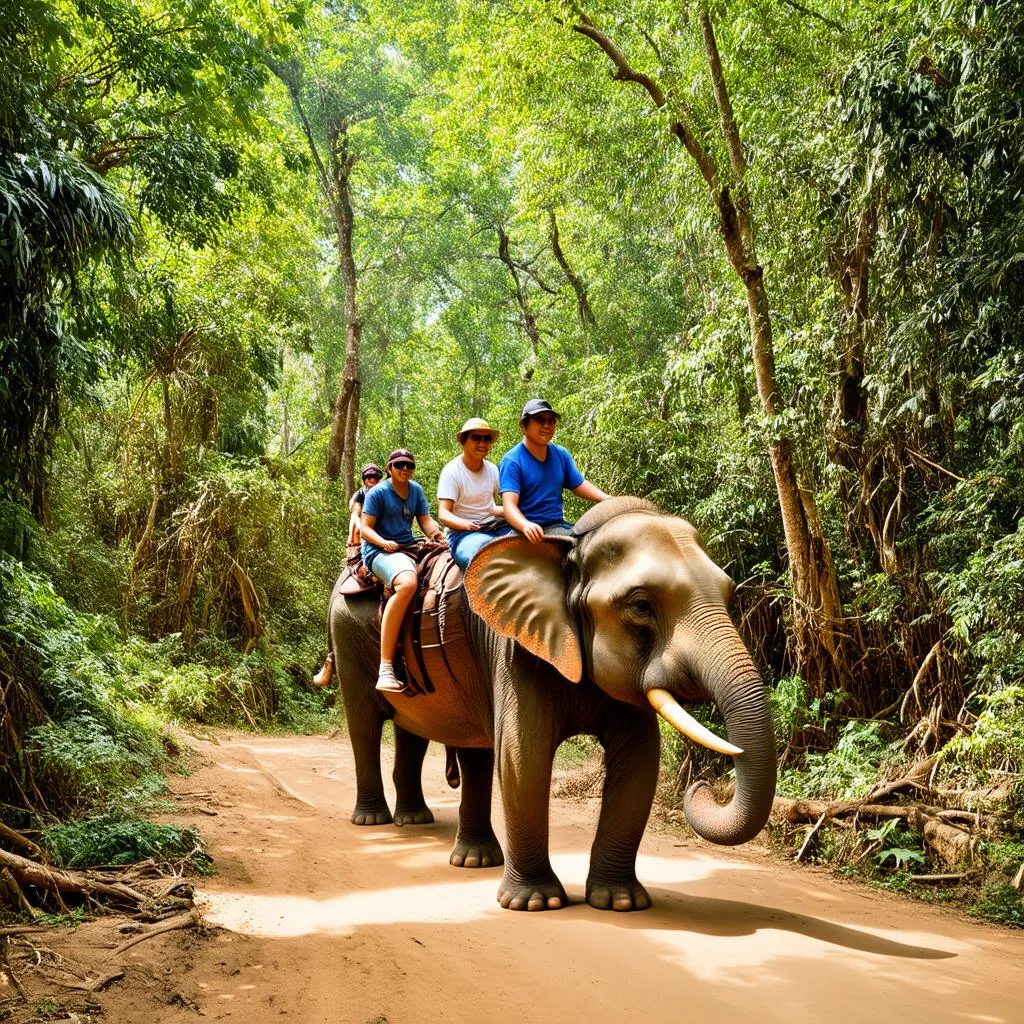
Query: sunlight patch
[[286, 917]]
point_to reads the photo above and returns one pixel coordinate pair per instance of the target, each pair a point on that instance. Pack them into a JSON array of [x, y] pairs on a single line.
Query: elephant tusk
[[666, 705]]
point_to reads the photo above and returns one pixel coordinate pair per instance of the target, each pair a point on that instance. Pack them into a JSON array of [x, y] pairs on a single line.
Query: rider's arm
[[430, 528], [510, 504], [447, 516], [589, 492], [371, 536]]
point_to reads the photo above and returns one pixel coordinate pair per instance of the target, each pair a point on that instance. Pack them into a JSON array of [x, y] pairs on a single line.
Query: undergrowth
[[85, 711], [979, 769], [115, 839]]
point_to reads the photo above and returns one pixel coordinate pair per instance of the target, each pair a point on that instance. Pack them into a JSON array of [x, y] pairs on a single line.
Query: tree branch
[[286, 74], [727, 119], [583, 305], [624, 72], [813, 14]]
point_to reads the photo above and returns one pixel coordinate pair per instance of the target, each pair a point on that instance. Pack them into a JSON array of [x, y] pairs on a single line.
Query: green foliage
[[575, 751], [996, 743], [1001, 903], [1007, 856], [86, 743], [167, 92], [790, 707], [985, 599], [115, 839], [847, 771], [900, 856]]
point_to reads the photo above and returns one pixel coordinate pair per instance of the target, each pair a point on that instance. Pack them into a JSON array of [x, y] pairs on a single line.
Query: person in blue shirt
[[534, 473], [385, 525]]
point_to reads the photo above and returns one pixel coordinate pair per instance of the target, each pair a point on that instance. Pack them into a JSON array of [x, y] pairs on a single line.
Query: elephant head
[[633, 602]]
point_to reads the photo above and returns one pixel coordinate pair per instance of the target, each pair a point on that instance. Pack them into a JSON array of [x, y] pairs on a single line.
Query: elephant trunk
[[736, 687]]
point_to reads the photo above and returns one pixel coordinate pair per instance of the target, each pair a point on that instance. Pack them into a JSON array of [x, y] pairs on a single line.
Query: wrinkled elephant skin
[[572, 635]]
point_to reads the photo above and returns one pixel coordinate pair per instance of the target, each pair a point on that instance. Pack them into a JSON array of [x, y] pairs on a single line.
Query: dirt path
[[325, 922]]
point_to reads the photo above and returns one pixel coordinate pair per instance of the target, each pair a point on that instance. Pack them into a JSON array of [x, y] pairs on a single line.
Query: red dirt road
[[326, 923]]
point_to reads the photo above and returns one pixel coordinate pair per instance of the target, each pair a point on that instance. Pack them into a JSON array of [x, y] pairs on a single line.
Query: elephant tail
[[451, 767]]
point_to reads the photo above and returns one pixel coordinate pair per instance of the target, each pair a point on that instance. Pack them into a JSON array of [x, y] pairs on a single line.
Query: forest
[[764, 256]]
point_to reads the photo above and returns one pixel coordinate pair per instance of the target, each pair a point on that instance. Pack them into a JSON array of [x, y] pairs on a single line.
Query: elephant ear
[[518, 589]]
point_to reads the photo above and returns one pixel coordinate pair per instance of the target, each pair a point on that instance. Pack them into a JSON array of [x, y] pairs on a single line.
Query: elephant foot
[[628, 894], [542, 894], [371, 814], [414, 816], [469, 853]]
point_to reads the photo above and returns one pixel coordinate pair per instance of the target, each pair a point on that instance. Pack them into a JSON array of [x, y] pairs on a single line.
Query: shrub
[[845, 772], [117, 839]]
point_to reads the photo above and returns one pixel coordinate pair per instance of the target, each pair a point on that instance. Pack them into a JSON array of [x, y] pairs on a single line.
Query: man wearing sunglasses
[[466, 490], [386, 526], [534, 474]]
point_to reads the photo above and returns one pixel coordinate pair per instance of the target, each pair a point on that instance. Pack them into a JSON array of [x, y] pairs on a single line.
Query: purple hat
[[401, 455], [371, 469]]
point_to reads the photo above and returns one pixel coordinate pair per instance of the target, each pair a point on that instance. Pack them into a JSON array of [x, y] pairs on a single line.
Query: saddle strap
[[434, 638]]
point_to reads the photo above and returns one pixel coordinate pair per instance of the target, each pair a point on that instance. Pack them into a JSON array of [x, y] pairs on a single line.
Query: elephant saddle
[[433, 642], [357, 579]]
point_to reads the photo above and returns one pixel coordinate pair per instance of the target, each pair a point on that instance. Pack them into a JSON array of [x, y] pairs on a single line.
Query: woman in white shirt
[[466, 491]]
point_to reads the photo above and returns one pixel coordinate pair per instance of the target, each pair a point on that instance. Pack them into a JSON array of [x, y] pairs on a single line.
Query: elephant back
[[435, 644]]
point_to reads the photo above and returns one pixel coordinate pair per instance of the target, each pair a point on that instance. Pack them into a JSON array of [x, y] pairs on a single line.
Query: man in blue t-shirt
[[385, 525], [533, 475]]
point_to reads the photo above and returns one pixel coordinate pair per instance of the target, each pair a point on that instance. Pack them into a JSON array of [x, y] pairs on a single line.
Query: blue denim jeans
[[466, 543]]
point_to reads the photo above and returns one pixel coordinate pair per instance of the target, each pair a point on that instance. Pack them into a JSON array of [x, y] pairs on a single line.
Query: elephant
[[593, 633]]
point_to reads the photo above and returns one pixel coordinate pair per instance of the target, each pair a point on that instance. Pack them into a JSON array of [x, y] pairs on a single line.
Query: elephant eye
[[640, 609]]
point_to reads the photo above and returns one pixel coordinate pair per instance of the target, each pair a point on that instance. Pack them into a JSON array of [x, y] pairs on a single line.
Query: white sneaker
[[388, 681]]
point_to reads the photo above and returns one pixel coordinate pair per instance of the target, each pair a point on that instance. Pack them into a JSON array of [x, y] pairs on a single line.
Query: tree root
[[190, 920], [60, 880], [953, 845], [148, 890]]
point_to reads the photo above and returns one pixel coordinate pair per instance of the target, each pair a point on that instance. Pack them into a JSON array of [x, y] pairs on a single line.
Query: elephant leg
[[371, 804], [631, 743], [365, 719], [525, 750], [410, 807], [476, 845]]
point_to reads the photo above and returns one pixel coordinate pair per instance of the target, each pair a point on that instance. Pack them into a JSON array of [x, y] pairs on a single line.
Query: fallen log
[[60, 880], [20, 841], [799, 811], [952, 844]]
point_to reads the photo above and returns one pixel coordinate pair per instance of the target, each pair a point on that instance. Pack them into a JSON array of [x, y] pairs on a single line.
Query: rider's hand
[[533, 533], [390, 545]]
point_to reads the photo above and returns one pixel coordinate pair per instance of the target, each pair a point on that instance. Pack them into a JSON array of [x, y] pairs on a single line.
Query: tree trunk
[[587, 318], [817, 607], [341, 452], [526, 314], [334, 179], [172, 447]]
